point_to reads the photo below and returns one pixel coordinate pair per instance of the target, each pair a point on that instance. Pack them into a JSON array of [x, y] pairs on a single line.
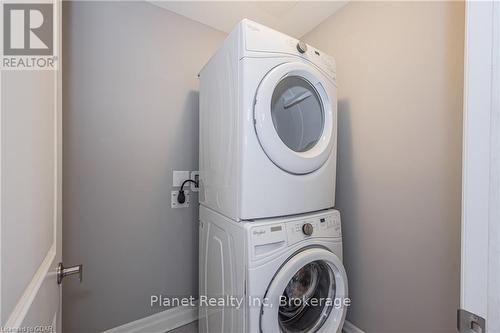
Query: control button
[[301, 47], [307, 229]]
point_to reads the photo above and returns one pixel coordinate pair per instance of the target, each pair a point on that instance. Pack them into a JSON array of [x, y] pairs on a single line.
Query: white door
[[480, 275], [296, 117], [305, 290], [31, 196]]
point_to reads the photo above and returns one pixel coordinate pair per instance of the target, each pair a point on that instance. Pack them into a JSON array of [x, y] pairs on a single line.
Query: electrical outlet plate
[[195, 175], [178, 177], [175, 204]]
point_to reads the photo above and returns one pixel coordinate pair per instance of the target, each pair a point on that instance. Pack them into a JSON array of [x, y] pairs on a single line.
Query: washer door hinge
[[468, 322]]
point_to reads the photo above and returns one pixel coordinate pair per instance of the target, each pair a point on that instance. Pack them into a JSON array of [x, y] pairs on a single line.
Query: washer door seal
[[306, 295]]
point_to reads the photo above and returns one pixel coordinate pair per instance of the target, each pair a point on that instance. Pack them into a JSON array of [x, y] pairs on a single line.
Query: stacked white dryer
[[268, 232]]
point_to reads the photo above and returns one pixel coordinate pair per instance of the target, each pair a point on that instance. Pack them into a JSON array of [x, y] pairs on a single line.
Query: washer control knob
[[307, 229], [301, 47]]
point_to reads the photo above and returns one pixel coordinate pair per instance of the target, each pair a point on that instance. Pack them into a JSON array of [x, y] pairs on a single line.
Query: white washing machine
[[288, 273], [268, 126]]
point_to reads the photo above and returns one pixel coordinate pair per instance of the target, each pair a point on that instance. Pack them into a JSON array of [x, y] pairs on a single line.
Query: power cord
[[181, 197]]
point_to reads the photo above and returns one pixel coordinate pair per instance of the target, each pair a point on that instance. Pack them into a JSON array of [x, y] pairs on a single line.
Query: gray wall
[[400, 76], [130, 118]]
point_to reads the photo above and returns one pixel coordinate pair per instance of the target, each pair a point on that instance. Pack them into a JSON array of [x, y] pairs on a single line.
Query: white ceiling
[[295, 18]]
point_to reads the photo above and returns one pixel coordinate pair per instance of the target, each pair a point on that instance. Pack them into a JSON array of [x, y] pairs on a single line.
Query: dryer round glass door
[[307, 294], [297, 113], [295, 117]]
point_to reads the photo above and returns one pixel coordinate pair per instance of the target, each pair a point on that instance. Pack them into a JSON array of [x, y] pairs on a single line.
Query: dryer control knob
[[301, 47], [307, 229]]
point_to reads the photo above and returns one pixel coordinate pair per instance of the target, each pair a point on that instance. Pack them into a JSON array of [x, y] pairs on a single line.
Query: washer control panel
[[317, 226], [307, 229], [270, 236]]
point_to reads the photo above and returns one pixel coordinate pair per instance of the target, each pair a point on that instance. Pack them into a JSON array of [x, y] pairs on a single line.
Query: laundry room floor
[[189, 328]]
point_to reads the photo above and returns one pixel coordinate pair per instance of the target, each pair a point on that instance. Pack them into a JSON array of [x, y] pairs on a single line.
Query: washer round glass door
[[294, 119], [307, 294]]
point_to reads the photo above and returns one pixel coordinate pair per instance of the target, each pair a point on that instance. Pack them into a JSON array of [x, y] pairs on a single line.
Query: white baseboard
[[179, 316], [350, 328], [160, 322]]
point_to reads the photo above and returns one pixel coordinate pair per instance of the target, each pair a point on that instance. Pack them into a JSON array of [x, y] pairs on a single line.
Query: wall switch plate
[[178, 177], [195, 175], [175, 204]]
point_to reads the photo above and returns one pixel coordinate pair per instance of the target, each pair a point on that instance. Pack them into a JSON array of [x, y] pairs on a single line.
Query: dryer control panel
[[262, 39]]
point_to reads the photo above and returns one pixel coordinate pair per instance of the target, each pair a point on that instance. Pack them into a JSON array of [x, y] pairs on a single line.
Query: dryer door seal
[[307, 294], [295, 117]]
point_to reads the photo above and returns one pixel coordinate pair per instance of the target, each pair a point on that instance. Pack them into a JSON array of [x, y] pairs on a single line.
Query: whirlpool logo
[[28, 36], [258, 232]]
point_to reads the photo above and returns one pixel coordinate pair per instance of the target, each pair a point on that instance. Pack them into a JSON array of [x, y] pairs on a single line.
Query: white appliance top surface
[[293, 218]]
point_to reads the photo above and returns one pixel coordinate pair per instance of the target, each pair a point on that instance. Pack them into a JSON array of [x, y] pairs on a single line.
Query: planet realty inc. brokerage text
[[237, 302]]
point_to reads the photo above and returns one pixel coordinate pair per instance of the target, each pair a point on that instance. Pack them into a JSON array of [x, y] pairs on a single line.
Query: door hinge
[[468, 322]]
